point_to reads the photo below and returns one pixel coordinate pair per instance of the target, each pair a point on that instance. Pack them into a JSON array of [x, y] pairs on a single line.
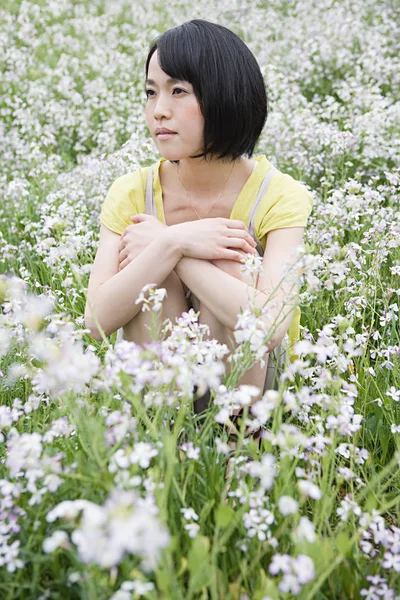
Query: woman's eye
[[151, 93]]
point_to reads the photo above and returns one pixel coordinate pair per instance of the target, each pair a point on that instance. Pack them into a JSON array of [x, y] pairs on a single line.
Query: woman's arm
[[111, 294], [224, 295]]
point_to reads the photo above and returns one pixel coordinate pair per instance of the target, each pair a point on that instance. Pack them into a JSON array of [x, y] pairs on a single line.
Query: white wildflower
[[58, 539], [288, 505], [309, 489], [305, 530], [142, 454]]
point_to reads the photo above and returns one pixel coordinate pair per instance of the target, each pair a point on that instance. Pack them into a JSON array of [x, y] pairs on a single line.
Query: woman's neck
[[203, 177]]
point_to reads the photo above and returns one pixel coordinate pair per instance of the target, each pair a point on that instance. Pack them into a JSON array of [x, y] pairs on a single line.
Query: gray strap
[[261, 193], [150, 206]]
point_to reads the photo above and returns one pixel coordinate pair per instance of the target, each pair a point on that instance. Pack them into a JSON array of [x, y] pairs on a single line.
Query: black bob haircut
[[226, 80]]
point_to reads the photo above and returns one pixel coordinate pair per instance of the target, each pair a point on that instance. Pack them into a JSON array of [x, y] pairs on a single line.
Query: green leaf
[[200, 569], [321, 551], [384, 438], [198, 553], [343, 543], [205, 511], [371, 503], [267, 587], [163, 579], [224, 515]]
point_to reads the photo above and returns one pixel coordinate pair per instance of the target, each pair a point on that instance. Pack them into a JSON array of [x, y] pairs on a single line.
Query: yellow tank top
[[287, 203]]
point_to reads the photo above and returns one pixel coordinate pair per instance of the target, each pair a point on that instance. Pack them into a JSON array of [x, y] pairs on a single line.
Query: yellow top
[[287, 203]]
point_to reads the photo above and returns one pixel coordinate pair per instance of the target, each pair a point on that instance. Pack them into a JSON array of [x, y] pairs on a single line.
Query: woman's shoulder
[[128, 184], [124, 199], [287, 193], [287, 203], [283, 184]]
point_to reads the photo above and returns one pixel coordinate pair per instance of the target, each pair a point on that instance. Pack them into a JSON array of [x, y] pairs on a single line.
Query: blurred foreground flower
[[125, 524]]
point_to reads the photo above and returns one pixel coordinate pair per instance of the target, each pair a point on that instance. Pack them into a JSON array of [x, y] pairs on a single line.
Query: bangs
[[177, 56]]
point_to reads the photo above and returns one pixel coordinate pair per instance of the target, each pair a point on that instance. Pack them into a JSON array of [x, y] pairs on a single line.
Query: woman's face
[[172, 104]]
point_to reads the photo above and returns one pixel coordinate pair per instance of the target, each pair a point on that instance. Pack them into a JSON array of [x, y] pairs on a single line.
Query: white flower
[[121, 595], [305, 530], [24, 452], [68, 368], [257, 522], [304, 347], [69, 510], [309, 489], [124, 524], [222, 447], [366, 547], [264, 408], [142, 454], [348, 506], [222, 416], [118, 460], [265, 470], [140, 588], [252, 264], [296, 571], [191, 451], [52, 482], [289, 584], [304, 568], [288, 505], [343, 450], [35, 310], [192, 529], [189, 513], [155, 298], [280, 562], [391, 561], [394, 394], [58, 539]]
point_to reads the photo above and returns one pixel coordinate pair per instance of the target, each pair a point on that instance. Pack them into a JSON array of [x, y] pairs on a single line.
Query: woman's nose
[[162, 108]]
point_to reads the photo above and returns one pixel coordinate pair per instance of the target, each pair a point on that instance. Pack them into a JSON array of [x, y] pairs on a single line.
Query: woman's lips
[[165, 136]]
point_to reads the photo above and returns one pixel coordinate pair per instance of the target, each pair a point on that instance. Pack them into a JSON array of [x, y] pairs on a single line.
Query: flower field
[[110, 486]]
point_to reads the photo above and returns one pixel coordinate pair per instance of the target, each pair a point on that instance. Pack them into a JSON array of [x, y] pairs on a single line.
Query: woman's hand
[[137, 237], [212, 239]]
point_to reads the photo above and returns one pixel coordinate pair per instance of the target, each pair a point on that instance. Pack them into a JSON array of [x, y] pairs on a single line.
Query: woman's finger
[[140, 217], [123, 264], [243, 244], [241, 234], [122, 254], [232, 255], [235, 224]]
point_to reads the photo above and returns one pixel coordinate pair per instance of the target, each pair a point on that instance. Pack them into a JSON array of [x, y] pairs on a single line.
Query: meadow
[[111, 488]]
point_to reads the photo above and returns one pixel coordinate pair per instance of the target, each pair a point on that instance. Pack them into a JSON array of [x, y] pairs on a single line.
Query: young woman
[[205, 203]]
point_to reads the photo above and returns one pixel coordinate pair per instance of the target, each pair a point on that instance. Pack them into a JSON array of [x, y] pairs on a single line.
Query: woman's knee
[[219, 331], [174, 304]]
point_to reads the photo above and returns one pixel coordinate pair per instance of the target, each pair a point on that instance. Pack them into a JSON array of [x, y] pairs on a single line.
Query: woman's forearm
[[113, 303]]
